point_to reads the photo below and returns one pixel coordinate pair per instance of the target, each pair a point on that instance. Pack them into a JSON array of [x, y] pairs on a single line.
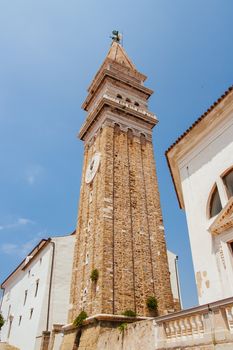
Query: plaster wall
[[60, 294], [27, 334], [57, 341], [173, 274], [200, 169], [23, 335]]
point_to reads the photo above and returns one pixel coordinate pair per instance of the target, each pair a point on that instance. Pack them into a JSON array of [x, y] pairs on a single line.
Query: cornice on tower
[[117, 65], [119, 86]]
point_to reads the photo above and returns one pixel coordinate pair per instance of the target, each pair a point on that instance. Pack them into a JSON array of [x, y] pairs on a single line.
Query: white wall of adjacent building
[[200, 169], [174, 276], [26, 317]]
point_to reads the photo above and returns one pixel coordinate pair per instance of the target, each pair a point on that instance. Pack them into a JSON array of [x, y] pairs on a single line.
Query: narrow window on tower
[[37, 286], [89, 227], [20, 319], [90, 197], [87, 259]]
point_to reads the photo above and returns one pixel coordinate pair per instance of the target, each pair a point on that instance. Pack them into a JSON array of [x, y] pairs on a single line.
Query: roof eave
[[204, 115], [21, 265], [173, 153]]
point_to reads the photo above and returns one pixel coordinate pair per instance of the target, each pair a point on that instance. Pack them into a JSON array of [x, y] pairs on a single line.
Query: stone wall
[[136, 336], [207, 327], [120, 230]]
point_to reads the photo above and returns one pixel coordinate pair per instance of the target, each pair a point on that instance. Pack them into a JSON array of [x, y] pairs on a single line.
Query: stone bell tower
[[120, 235]]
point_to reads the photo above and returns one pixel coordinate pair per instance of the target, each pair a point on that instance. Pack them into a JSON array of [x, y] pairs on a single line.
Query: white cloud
[[26, 247], [22, 249], [24, 221], [9, 249], [31, 179], [34, 173], [19, 222]]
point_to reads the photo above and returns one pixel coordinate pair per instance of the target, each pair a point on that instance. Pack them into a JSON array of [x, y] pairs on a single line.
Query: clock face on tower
[[93, 167]]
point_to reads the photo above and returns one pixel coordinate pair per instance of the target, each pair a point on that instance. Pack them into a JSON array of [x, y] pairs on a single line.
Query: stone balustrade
[[205, 325]]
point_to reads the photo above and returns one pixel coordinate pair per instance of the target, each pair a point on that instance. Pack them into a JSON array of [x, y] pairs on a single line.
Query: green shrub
[[129, 313], [152, 303], [1, 321], [122, 327], [94, 275], [80, 318]]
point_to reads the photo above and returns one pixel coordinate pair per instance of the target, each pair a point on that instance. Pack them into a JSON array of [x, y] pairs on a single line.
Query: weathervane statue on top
[[116, 36]]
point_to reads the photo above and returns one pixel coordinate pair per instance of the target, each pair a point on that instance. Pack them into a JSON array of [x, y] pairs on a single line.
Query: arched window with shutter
[[215, 205], [228, 182]]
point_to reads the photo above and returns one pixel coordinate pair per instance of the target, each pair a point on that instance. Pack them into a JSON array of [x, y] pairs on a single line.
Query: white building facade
[[36, 294], [174, 278], [201, 164]]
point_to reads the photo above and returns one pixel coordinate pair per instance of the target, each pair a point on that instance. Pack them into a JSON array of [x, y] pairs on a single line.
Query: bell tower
[[120, 254]]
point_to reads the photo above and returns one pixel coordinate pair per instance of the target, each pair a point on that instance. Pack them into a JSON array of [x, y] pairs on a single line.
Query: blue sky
[[49, 53]]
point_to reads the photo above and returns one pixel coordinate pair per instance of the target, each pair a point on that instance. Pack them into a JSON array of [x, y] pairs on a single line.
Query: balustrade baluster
[[229, 314]]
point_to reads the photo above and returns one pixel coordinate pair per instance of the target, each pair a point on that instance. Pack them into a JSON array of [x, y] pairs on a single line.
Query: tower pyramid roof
[[118, 54]]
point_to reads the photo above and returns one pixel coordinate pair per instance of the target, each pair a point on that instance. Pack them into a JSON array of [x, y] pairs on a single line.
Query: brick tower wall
[[120, 230]]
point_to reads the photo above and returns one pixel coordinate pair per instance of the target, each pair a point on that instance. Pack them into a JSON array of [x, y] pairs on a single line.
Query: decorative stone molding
[[224, 220], [116, 75], [130, 106], [222, 255], [95, 119], [111, 119], [106, 317]]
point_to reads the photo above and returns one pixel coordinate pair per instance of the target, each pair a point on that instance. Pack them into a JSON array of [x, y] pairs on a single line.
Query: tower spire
[[118, 54]]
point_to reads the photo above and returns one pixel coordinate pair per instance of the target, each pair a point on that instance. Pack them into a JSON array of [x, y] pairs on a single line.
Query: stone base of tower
[[89, 336]]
